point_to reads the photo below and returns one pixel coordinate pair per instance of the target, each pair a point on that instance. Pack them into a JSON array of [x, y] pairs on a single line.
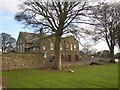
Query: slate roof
[[30, 37], [33, 39]]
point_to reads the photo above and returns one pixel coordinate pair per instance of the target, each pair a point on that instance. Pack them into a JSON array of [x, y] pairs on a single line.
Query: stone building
[[34, 43]]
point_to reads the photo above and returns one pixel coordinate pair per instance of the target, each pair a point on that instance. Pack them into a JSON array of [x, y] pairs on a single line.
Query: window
[[20, 41], [71, 46], [69, 58], [43, 47], [67, 46], [45, 53], [18, 48], [75, 47], [52, 45], [21, 48], [62, 57], [61, 47], [34, 49], [76, 57]]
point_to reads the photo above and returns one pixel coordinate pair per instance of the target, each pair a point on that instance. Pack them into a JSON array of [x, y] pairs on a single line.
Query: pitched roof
[[30, 37], [33, 38]]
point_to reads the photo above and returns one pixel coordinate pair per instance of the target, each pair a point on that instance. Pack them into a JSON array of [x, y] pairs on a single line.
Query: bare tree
[[118, 35], [7, 41], [56, 17], [88, 48], [108, 18]]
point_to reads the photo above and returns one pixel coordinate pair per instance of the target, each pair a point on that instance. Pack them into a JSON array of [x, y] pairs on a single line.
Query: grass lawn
[[97, 76]]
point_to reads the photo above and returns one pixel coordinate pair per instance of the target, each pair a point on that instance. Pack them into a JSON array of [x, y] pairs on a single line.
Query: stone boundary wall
[[21, 61], [33, 61], [0, 62]]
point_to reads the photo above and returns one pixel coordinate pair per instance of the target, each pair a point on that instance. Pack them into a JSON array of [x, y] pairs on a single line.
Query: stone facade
[[26, 41], [31, 43]]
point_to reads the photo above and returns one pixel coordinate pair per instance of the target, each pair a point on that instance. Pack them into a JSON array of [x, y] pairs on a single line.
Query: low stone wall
[[68, 64], [0, 62], [76, 63], [26, 61], [20, 61]]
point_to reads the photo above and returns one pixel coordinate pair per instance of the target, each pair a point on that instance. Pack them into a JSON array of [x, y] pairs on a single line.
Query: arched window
[[71, 46], [23, 48], [61, 47], [69, 58], [67, 46], [52, 45], [75, 47], [76, 57], [34, 49], [43, 47]]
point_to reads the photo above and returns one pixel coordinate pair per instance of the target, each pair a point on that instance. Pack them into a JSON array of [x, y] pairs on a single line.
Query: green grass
[[98, 76]]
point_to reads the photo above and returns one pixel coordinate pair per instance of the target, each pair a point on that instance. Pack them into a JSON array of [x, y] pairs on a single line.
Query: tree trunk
[[111, 48], [39, 54], [2, 50], [57, 52], [112, 55]]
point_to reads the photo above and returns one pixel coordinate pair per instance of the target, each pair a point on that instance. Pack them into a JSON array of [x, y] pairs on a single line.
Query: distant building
[[117, 56], [34, 43], [105, 54]]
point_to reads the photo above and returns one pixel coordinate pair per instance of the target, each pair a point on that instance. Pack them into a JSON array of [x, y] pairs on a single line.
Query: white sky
[[8, 5]]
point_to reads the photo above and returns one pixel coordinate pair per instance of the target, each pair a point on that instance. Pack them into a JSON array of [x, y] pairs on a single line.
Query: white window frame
[[75, 47], [61, 46], [71, 46], [43, 47], [67, 46], [51, 45], [23, 48], [34, 49]]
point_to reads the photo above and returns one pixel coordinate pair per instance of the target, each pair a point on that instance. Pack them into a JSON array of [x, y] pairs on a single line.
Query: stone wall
[[20, 61], [34, 61], [76, 63], [0, 62]]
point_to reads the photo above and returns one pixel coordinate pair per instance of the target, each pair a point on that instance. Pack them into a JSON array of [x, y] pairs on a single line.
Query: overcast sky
[[8, 9]]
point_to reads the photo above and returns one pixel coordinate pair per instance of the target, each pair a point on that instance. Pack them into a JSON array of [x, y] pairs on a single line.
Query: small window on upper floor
[[43, 47], [71, 46], [20, 41], [61, 46], [75, 47], [34, 49], [52, 46], [67, 46]]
